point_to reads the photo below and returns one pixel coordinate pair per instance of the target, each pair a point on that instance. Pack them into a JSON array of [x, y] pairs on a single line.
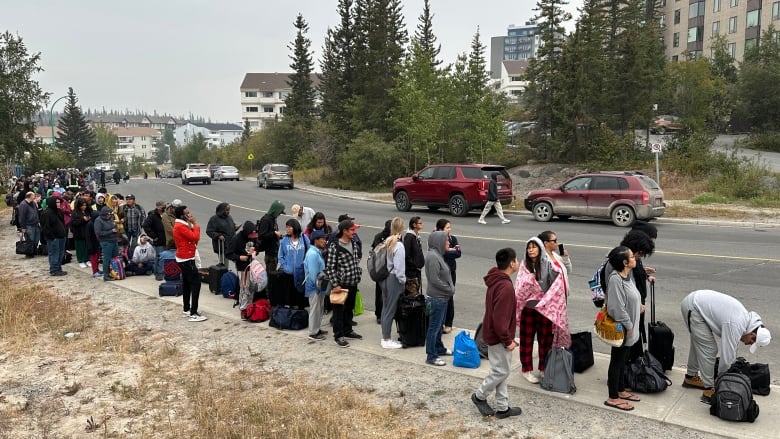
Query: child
[[143, 256], [498, 331]]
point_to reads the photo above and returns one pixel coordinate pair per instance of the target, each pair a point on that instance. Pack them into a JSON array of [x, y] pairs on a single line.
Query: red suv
[[457, 187], [623, 196]]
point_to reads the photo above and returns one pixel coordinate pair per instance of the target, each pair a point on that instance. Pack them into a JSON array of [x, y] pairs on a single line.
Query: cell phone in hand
[[560, 249]]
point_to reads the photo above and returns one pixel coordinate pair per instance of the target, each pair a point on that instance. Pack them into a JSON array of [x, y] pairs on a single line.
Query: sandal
[[631, 397], [437, 362], [626, 407]]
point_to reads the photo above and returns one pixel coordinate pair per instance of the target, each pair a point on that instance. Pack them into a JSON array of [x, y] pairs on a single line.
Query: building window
[[675, 58], [676, 39], [750, 43], [254, 123], [695, 34], [677, 16], [695, 10], [732, 48], [715, 28], [776, 11], [752, 18], [268, 94], [251, 109], [734, 3], [268, 109], [732, 25], [716, 6], [250, 94], [662, 21]]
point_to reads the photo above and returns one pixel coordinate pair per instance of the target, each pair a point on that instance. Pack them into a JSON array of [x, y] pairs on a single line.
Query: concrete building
[[136, 142], [520, 43], [688, 27], [263, 96], [215, 134], [511, 82], [134, 121]]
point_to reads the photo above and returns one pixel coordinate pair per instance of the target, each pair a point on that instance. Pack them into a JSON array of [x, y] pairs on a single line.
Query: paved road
[[741, 261]]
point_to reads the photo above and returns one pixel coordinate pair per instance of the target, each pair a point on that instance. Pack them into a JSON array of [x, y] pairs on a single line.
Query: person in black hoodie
[[155, 230], [79, 218], [415, 258], [269, 235], [493, 200], [221, 229], [53, 229], [237, 250]]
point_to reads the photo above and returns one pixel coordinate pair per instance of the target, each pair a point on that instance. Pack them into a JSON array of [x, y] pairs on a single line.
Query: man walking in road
[[492, 200]]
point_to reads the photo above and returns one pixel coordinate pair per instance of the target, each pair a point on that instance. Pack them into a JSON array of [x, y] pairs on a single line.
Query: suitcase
[[170, 288], [411, 321], [171, 270], [216, 272], [281, 291], [204, 275], [660, 338]]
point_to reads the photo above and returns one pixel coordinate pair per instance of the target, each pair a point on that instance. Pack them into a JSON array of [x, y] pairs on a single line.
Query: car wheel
[[265, 184], [623, 216], [433, 208], [402, 201], [258, 183], [208, 181], [292, 186], [542, 211], [458, 205]]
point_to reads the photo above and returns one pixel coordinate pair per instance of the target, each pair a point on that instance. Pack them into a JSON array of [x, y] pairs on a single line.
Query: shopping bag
[[358, 304], [465, 353]]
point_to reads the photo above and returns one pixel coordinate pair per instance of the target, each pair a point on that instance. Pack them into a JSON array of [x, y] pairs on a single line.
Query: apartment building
[[689, 26], [215, 134], [136, 142], [519, 43], [511, 82], [134, 120], [263, 96]]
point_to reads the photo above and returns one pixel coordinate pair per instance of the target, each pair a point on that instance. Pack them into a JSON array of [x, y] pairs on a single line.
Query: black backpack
[[733, 398]]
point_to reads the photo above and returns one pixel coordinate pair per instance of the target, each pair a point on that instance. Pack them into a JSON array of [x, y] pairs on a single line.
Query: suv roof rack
[[621, 172]]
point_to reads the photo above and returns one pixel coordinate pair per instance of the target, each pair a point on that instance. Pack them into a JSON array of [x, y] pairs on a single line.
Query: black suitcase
[[216, 272], [281, 291], [170, 288], [660, 338], [411, 321]]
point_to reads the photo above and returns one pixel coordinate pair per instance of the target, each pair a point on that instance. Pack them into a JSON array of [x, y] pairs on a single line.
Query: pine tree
[[425, 37], [336, 81], [299, 104], [247, 132], [76, 137]]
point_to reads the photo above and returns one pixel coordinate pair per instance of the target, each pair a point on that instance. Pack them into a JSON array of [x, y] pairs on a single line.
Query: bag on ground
[[117, 268], [645, 374], [377, 263], [283, 317], [358, 310], [582, 351], [733, 398], [172, 288], [558, 376], [465, 352], [660, 337], [171, 270], [24, 246], [257, 311], [758, 373], [228, 285], [411, 321]]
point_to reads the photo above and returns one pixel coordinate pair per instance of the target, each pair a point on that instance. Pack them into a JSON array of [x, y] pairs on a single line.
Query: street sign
[[655, 147], [250, 156]]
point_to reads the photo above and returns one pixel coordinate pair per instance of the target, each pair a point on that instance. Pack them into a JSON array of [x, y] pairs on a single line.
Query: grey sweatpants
[[316, 305], [391, 292], [703, 347], [500, 359]]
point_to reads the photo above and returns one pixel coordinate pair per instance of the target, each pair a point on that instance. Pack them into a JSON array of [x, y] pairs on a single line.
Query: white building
[[512, 83], [215, 134], [136, 142], [263, 96]]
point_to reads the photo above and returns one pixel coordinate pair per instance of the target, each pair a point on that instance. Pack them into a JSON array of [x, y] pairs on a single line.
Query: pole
[[657, 169], [51, 120]]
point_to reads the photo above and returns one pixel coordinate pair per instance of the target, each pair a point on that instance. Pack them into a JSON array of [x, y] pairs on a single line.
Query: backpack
[[228, 284], [377, 263], [733, 398], [257, 311], [598, 285]]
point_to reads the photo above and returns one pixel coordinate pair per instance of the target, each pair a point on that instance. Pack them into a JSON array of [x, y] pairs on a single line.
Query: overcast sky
[[190, 56]]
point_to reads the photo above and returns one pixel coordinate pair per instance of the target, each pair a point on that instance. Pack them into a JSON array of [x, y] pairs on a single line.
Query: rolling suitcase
[[660, 338], [281, 291], [411, 321], [216, 271], [170, 288]]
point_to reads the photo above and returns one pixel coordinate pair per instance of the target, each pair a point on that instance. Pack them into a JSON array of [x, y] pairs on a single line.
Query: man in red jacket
[[498, 331]]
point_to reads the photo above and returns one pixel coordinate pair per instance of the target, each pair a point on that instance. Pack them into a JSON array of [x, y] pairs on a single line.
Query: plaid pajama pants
[[534, 324]]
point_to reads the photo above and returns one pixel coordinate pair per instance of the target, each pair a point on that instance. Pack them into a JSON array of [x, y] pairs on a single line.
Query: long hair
[[533, 266], [311, 226], [396, 229], [442, 223], [296, 227]]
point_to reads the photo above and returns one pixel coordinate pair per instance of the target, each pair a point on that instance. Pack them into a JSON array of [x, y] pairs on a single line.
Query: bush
[[608, 151], [766, 141], [689, 153], [369, 162], [737, 177]]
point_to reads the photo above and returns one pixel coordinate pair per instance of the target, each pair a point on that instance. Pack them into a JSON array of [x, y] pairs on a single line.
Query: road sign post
[[656, 149], [251, 158]]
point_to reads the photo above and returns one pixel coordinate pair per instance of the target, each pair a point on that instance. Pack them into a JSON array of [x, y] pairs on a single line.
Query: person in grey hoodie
[[107, 234], [439, 290]]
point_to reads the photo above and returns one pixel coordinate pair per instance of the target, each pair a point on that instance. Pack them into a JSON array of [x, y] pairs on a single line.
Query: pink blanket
[[552, 303]]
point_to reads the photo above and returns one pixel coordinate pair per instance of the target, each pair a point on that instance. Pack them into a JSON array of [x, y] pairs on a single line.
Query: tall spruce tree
[[336, 80], [299, 105], [247, 132], [76, 137]]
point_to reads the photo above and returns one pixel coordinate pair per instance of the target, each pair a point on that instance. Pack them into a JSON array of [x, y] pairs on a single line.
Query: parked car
[[195, 172], [173, 173], [226, 173], [458, 187], [213, 168], [275, 174], [622, 196], [665, 123]]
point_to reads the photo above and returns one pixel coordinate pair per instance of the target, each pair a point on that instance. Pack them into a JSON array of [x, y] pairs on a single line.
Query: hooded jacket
[[186, 237], [237, 246], [52, 221], [77, 222], [498, 324], [492, 194], [221, 224], [267, 228], [105, 225], [437, 272], [143, 252], [415, 258]]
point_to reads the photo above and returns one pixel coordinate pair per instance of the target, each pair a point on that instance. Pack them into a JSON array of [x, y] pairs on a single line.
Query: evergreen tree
[[20, 96], [337, 68], [246, 133], [759, 84], [425, 37], [299, 104], [76, 137]]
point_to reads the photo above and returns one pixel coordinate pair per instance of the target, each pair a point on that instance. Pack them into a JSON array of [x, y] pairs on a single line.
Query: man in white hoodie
[[143, 256]]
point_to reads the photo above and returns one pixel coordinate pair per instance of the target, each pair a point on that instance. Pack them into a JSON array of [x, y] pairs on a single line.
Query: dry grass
[[116, 379], [677, 187]]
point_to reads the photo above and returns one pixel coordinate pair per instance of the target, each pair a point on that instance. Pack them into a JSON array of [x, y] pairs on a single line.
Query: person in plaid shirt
[[343, 270], [134, 217]]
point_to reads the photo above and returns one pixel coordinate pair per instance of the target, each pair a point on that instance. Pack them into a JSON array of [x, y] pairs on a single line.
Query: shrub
[[609, 151], [369, 162], [766, 141], [689, 153]]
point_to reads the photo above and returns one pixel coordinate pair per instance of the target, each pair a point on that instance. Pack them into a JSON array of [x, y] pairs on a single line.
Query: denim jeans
[[55, 248], [437, 309], [158, 269], [110, 249], [34, 235]]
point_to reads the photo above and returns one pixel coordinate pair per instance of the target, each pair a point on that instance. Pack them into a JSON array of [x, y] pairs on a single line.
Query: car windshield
[[228, 169], [280, 168]]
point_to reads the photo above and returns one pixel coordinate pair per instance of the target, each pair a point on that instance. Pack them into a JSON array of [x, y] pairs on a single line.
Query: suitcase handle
[[221, 252], [652, 302]]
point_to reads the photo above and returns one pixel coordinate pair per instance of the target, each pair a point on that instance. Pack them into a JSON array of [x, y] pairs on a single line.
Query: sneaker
[[482, 221], [506, 221], [108, 279], [531, 377], [482, 405], [693, 382], [354, 323], [82, 265], [354, 335], [97, 274], [539, 374], [446, 353], [378, 321], [511, 411], [316, 337], [59, 273], [197, 318], [343, 343], [89, 264], [185, 314], [391, 344], [158, 278], [321, 332], [706, 396]]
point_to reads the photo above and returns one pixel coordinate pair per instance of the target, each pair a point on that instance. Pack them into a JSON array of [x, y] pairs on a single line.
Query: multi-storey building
[[511, 82], [689, 26], [520, 43], [215, 134], [136, 142], [263, 96]]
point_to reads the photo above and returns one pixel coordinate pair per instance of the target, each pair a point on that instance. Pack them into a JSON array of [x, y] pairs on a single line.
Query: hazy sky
[[182, 56]]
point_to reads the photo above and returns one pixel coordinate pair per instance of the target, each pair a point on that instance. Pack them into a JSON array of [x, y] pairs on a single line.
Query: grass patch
[[710, 198]]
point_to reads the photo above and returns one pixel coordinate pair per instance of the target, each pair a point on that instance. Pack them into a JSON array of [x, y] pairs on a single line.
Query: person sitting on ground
[[143, 258]]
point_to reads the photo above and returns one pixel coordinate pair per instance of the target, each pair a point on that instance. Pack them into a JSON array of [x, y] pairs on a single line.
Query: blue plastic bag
[[465, 353]]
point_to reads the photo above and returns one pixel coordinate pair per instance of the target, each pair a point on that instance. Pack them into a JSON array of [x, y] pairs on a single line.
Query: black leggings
[[617, 362], [190, 285]]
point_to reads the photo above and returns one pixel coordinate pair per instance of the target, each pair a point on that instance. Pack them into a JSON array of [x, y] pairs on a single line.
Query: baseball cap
[[348, 224], [345, 216], [295, 209], [763, 337], [317, 234], [130, 197], [175, 203]]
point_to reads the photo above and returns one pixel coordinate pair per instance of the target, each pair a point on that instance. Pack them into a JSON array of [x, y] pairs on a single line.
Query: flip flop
[[631, 397], [626, 407]]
